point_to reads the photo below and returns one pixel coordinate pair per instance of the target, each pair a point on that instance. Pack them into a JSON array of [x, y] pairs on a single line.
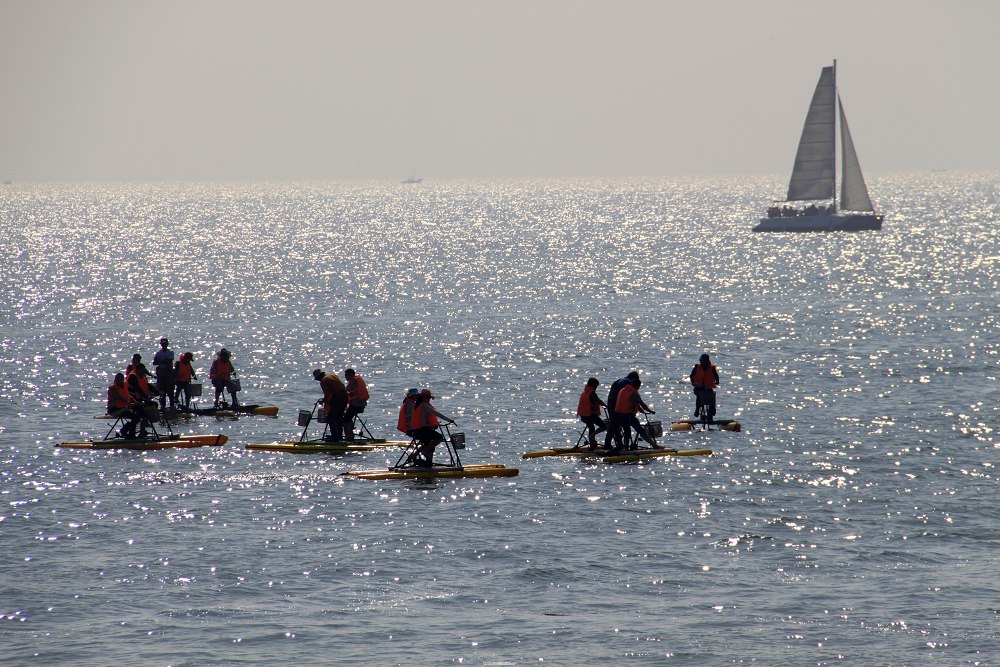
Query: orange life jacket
[[403, 424], [360, 390], [704, 377], [118, 397], [183, 371], [423, 417], [585, 408], [221, 370], [332, 386], [624, 403], [141, 384]]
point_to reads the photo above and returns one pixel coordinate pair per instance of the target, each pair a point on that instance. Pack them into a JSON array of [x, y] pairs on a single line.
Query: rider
[[183, 374], [141, 391], [405, 422], [334, 402], [221, 374], [120, 406], [589, 410], [357, 400], [627, 405], [425, 425], [705, 378], [163, 365], [614, 427]]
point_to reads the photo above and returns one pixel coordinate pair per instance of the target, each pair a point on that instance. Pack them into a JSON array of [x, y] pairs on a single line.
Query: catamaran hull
[[821, 223]]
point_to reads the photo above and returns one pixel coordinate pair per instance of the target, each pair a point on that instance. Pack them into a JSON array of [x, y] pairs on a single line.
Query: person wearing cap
[[614, 432], [405, 422], [163, 366], [357, 400], [627, 405], [425, 423], [704, 378], [221, 373], [588, 409], [183, 374], [334, 402]]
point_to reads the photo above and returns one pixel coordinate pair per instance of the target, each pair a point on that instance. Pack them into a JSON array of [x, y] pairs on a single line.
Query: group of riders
[[344, 401], [133, 398], [625, 403]]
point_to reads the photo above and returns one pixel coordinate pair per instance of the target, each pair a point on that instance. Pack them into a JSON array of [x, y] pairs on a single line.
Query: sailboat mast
[[836, 98]]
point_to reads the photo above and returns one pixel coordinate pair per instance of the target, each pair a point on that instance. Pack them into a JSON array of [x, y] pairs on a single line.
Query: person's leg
[[349, 422], [620, 425], [641, 430], [335, 418], [612, 436]]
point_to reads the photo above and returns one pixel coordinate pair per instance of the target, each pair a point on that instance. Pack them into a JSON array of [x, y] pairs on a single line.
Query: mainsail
[[814, 172], [853, 191]]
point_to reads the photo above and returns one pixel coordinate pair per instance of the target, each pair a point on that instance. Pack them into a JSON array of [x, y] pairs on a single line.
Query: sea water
[[852, 521]]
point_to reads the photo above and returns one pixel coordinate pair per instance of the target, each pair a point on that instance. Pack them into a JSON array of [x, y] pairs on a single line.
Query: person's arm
[[715, 372], [439, 415]]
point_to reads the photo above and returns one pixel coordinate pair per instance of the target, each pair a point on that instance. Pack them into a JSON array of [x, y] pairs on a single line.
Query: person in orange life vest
[[627, 405], [221, 374], [405, 421], [614, 426], [183, 374], [138, 385], [141, 391], [426, 421], [136, 358], [705, 378], [120, 406], [334, 402], [588, 409], [357, 400], [163, 365]]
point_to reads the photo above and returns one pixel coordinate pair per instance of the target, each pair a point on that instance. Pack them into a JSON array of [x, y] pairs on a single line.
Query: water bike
[[143, 417], [417, 461], [326, 443]]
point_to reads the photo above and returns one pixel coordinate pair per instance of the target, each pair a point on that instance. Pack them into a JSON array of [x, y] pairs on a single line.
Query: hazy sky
[[292, 89]]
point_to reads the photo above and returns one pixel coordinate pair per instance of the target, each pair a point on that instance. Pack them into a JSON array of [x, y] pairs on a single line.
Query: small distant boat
[[412, 181], [814, 176]]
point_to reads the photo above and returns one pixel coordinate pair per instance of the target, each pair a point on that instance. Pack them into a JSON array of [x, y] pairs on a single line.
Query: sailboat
[[814, 176]]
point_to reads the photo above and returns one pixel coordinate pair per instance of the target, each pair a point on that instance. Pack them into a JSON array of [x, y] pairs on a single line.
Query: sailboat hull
[[861, 222]]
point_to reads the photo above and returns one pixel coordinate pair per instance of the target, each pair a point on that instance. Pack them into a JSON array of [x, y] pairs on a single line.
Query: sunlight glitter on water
[[863, 368]]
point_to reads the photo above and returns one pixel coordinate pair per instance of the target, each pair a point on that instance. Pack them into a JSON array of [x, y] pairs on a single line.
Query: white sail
[[853, 191], [814, 172]]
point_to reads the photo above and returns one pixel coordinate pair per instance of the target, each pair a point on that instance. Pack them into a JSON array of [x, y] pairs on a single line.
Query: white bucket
[[321, 416], [654, 429], [304, 417], [194, 389], [458, 440]]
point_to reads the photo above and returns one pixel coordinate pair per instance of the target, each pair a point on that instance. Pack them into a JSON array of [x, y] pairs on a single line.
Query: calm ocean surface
[[853, 521]]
